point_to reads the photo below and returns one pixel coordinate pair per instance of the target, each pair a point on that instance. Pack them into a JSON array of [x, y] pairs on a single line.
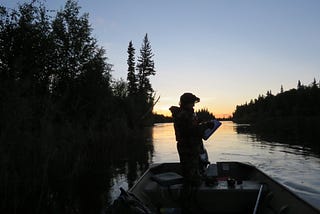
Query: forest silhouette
[[64, 120], [290, 116]]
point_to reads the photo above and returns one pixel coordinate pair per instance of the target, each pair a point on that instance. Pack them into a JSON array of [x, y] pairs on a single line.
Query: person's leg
[[189, 161]]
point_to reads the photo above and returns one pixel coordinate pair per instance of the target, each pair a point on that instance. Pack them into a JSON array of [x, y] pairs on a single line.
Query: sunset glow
[[225, 52]]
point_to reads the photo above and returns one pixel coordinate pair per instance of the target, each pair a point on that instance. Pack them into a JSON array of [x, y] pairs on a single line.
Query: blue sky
[[227, 52]]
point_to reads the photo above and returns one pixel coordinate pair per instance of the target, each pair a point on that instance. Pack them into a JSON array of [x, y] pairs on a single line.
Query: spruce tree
[[299, 86], [314, 83], [131, 77], [145, 68]]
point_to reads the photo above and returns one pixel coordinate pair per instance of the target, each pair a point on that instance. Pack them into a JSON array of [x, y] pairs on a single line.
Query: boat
[[227, 187]]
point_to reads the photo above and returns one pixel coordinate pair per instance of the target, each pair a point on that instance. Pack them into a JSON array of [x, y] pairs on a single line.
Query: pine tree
[[145, 68], [269, 93], [299, 85], [131, 77], [314, 83]]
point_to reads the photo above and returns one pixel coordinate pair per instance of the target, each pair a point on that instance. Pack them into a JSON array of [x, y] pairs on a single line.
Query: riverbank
[[294, 130]]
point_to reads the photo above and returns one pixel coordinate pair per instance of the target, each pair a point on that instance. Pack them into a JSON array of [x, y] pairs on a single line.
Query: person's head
[[187, 100]]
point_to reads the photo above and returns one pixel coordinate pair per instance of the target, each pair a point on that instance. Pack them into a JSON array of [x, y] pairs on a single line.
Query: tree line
[[62, 115], [294, 114]]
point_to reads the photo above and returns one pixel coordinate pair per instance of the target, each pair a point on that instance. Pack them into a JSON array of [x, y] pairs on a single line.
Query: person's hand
[[210, 124]]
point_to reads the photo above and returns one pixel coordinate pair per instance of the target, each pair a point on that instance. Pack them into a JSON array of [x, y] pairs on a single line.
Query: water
[[293, 166]]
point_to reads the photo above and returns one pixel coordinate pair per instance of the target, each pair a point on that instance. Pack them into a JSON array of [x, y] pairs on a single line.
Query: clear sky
[[227, 52]]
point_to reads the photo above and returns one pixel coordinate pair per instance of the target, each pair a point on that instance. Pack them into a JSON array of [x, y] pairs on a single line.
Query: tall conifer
[[131, 77], [145, 68]]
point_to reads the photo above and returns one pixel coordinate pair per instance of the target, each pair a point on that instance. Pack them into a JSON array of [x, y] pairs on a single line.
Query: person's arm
[[190, 128]]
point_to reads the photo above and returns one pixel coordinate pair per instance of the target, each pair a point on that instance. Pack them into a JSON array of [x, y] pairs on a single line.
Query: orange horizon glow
[[218, 107], [166, 112]]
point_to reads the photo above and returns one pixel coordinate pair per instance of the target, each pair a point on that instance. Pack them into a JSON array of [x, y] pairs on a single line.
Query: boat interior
[[227, 187]]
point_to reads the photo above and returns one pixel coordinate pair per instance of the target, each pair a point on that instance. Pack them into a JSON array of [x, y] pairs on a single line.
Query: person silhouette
[[189, 132]]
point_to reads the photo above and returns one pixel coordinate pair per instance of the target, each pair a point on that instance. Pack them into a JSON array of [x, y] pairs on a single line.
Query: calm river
[[293, 166]]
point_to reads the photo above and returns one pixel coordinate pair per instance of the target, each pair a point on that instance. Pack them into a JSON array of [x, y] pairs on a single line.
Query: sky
[[227, 52]]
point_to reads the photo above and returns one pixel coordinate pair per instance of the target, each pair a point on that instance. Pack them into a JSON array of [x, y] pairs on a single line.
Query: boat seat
[[167, 178], [211, 174], [212, 171]]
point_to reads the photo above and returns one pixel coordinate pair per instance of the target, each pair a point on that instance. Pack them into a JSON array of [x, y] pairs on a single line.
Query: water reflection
[[297, 139], [276, 141], [294, 166], [164, 144]]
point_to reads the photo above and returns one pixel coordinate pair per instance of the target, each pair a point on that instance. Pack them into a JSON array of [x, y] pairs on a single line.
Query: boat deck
[[229, 187]]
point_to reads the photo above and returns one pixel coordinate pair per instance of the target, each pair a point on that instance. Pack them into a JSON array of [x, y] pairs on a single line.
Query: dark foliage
[[293, 115], [62, 120], [145, 67], [204, 115], [131, 77], [141, 97], [159, 118]]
